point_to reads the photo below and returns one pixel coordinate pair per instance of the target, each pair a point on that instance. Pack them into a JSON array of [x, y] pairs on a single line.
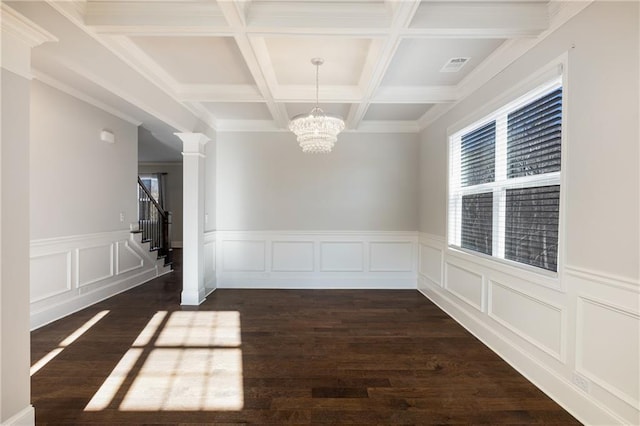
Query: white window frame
[[550, 78]]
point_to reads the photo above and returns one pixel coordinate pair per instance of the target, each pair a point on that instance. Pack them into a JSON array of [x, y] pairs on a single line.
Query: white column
[[193, 166], [19, 36]]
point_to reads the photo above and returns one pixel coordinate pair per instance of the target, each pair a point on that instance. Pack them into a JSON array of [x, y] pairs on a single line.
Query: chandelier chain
[[317, 85]]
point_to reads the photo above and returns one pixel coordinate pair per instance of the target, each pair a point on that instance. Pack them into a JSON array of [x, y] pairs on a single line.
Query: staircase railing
[[154, 222]]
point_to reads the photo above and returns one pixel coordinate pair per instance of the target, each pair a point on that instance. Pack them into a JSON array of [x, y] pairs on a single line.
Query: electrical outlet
[[581, 382], [121, 216]]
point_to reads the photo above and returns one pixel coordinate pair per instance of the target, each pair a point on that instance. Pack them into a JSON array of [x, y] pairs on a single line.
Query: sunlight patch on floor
[[188, 361], [187, 379], [112, 385], [66, 342]]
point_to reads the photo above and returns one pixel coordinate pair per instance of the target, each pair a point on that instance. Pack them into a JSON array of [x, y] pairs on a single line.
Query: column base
[[192, 298]]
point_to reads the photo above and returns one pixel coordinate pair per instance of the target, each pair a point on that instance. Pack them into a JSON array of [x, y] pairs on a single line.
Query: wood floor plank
[[276, 357]]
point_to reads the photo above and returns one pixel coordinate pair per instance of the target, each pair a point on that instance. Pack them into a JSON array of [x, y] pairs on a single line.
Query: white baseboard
[[25, 417]]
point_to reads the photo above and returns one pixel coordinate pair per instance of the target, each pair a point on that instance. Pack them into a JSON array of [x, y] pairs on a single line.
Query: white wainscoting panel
[[607, 347], [316, 259], [94, 264], [243, 256], [128, 259], [210, 260], [345, 256], [465, 284], [431, 263], [292, 256], [71, 273], [537, 321], [50, 275], [391, 256]]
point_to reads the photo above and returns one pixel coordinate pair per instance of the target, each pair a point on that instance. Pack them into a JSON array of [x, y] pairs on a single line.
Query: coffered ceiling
[[245, 64]]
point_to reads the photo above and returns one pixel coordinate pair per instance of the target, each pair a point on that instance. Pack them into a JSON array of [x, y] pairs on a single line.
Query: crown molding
[[19, 36], [22, 29]]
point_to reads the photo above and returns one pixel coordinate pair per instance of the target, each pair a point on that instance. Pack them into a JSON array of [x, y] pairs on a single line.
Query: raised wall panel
[[607, 348], [292, 256], [536, 321], [128, 259], [465, 284], [94, 264], [209, 259], [431, 263], [50, 275], [342, 257], [391, 257], [243, 256]]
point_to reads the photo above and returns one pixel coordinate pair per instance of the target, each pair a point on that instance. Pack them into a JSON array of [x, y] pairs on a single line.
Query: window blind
[[477, 222], [479, 155], [534, 135], [504, 177], [531, 229]]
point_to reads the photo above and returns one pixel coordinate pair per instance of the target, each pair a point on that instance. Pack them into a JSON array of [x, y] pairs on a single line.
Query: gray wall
[[173, 192], [602, 181], [79, 184], [369, 182]]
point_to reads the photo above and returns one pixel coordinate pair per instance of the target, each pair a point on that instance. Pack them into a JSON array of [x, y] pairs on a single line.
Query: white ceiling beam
[[283, 14], [415, 94], [403, 15], [328, 94], [235, 16], [219, 93], [473, 19], [134, 17]]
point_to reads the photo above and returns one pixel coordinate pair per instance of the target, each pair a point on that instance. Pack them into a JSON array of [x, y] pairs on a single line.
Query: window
[[504, 181]]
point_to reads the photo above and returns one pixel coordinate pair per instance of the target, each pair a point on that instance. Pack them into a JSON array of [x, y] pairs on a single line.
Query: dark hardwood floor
[[278, 357]]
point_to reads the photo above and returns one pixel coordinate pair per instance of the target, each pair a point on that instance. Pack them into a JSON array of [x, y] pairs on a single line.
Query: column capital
[[19, 36], [193, 143]]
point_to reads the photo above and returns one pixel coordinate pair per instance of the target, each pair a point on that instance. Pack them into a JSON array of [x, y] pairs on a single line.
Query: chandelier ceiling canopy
[[316, 131]]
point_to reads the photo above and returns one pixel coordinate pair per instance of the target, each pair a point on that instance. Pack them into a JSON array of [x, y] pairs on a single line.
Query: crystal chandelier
[[316, 131]]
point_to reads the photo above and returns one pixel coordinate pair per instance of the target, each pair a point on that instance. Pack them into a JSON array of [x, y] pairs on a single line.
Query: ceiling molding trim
[[268, 126], [56, 84], [22, 29]]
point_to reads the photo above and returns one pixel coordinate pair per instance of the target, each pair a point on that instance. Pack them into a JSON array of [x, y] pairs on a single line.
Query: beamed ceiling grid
[[245, 65]]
